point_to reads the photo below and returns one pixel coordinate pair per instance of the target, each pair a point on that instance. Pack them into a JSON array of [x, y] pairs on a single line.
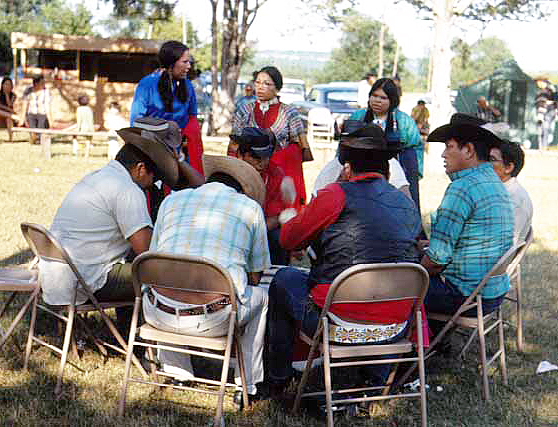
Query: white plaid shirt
[[217, 223]]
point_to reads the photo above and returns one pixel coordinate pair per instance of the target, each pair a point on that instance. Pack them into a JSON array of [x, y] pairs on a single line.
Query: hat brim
[[248, 177], [156, 151], [464, 131]]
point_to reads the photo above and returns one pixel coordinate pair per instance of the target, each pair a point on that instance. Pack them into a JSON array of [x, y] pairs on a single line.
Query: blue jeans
[[278, 255], [291, 309]]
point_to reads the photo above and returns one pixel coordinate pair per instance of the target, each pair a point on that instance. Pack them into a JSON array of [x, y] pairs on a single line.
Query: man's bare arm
[[140, 240], [430, 266]]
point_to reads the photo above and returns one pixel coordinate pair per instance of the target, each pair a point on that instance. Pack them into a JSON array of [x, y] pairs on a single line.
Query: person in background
[[364, 88], [268, 112], [507, 161], [546, 108], [420, 115], [397, 80], [168, 94], [38, 107], [255, 147], [249, 94], [487, 112], [84, 121], [113, 122], [399, 128], [7, 100]]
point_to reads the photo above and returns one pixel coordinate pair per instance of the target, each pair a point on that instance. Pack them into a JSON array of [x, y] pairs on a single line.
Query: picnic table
[[46, 136]]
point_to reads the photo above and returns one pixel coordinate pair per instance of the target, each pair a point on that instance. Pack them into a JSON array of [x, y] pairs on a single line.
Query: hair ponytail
[[169, 53]]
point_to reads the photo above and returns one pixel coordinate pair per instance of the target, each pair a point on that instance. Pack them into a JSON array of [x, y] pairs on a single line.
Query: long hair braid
[[389, 87], [169, 53]]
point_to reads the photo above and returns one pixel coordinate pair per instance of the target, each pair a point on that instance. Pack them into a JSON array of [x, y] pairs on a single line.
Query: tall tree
[[358, 51], [472, 62], [238, 16], [446, 14]]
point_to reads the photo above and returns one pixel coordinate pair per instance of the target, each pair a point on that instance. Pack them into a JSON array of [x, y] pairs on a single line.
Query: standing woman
[[7, 99], [268, 112], [168, 94], [382, 110]]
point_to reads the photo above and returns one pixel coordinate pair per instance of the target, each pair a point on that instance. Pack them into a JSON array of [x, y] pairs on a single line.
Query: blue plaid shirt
[[472, 229], [215, 222]]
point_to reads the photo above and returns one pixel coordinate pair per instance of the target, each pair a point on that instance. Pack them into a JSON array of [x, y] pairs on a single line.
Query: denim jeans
[[291, 308]]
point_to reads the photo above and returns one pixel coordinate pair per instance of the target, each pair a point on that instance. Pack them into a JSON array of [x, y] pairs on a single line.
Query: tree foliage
[[478, 60], [358, 51], [150, 10]]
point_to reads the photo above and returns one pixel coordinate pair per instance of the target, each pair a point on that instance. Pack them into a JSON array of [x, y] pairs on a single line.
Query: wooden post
[[14, 54], [381, 51], [24, 60], [45, 145]]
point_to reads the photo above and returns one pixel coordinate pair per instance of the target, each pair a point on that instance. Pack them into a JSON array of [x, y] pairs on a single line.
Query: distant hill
[[293, 64]]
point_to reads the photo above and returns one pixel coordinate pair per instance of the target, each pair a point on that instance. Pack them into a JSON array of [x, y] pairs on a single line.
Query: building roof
[[83, 43]]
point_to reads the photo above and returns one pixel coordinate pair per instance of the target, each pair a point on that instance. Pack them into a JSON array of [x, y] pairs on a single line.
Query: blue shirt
[[472, 229], [148, 102]]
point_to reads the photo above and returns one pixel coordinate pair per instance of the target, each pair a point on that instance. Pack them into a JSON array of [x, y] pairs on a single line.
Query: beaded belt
[[193, 311]]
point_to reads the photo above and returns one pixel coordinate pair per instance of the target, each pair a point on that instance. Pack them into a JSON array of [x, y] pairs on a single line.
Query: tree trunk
[[214, 77], [395, 60], [441, 61], [381, 51]]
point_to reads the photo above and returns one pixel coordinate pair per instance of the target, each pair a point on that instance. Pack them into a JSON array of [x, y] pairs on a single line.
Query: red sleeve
[[273, 199], [192, 132], [322, 211]]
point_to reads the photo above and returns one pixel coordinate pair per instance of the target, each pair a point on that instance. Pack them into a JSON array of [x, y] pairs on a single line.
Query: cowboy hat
[[260, 142], [155, 149], [367, 136], [465, 127], [248, 177]]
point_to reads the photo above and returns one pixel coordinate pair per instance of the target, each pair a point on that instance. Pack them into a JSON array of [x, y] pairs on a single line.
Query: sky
[[285, 25]]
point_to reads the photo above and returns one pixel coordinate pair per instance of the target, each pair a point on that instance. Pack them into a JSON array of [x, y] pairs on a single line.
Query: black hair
[[130, 155], [390, 88], [169, 53], [275, 75], [512, 153], [83, 100], [225, 178], [12, 95], [38, 79], [481, 148], [363, 160], [114, 104], [421, 102]]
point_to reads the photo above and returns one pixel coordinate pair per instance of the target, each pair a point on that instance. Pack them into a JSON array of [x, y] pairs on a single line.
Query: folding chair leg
[[519, 312], [16, 320], [7, 303], [468, 343], [327, 375], [502, 348], [241, 368], [65, 348], [225, 370], [31, 333], [482, 349], [307, 370], [129, 354], [152, 364], [422, 375]]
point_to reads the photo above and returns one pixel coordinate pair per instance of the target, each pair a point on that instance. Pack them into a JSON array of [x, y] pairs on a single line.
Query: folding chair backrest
[[502, 265], [42, 242], [521, 253], [379, 283], [185, 273]]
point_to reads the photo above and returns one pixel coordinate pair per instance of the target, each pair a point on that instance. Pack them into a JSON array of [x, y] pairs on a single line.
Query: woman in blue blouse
[[382, 110], [168, 94]]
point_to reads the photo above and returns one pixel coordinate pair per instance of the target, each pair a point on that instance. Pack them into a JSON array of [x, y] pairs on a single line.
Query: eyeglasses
[[493, 159], [265, 84], [379, 97]]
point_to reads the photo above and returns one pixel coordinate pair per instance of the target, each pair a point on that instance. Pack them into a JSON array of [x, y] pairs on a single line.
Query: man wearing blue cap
[[255, 147]]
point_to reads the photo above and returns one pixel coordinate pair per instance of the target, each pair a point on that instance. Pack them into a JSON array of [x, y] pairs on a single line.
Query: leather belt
[[193, 311]]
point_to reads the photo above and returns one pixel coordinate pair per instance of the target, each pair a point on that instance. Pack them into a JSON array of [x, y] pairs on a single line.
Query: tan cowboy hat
[[156, 150], [248, 177]]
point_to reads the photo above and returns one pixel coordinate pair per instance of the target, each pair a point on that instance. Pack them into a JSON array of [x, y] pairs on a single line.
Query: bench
[[46, 136]]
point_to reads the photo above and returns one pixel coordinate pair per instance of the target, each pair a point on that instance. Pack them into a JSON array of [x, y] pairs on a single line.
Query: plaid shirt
[[215, 222], [472, 229]]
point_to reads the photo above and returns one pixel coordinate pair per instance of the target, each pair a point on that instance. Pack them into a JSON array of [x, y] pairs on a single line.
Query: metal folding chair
[[45, 246], [190, 276], [375, 284]]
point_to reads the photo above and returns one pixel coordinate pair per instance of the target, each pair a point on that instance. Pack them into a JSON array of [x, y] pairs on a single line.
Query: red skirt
[[289, 159]]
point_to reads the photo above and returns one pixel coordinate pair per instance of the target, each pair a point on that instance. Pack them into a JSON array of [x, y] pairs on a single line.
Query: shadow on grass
[[17, 258]]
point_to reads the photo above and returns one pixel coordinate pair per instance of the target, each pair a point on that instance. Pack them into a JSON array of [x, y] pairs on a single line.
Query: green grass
[[32, 189]]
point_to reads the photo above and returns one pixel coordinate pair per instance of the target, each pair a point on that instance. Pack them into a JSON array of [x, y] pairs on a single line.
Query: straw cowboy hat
[[248, 177], [465, 127], [157, 142]]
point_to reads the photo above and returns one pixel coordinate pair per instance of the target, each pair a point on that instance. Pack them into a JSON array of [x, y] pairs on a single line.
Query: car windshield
[[293, 88], [346, 97]]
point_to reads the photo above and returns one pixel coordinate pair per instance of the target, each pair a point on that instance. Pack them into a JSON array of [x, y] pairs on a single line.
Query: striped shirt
[[472, 229], [287, 126], [215, 222]]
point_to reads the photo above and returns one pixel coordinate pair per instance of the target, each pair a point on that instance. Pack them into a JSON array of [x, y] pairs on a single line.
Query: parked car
[[338, 97], [293, 90]]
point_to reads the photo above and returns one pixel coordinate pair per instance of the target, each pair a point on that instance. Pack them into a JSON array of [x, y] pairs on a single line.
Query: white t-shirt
[[84, 119], [93, 224], [39, 102], [522, 209], [333, 168]]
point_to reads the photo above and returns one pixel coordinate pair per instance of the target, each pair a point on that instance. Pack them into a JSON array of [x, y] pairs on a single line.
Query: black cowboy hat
[[467, 128], [261, 142], [367, 136]]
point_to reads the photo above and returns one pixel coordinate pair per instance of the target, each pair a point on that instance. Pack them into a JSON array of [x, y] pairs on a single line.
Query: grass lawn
[[32, 189]]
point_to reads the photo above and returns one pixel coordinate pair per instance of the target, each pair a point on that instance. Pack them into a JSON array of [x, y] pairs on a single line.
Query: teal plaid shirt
[[472, 229], [215, 222]]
